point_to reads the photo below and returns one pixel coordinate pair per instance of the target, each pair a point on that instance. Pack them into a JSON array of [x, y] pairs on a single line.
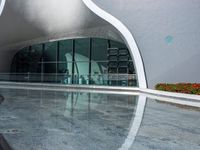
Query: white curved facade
[[2, 3], [166, 34]]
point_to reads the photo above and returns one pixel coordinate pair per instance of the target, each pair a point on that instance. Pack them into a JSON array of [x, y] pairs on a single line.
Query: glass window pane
[[81, 68], [62, 67], [115, 44], [82, 49], [35, 77], [21, 61], [99, 73], [98, 68], [99, 49], [65, 68], [131, 67], [81, 73], [81, 65], [37, 49], [65, 47], [109, 66], [64, 75], [36, 57], [49, 67], [49, 78], [50, 51]]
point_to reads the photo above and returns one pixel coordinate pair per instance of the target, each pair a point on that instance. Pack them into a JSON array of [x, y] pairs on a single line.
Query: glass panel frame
[[76, 61]]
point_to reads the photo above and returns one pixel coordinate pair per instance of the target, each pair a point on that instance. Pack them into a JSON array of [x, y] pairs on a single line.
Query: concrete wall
[[167, 33]]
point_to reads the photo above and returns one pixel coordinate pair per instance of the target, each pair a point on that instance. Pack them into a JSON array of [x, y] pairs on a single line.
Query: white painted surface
[[127, 37], [28, 22], [49, 20], [2, 3], [52, 16], [167, 34]]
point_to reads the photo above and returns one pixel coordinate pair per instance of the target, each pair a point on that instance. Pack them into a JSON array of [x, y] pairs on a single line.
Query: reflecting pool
[[75, 120]]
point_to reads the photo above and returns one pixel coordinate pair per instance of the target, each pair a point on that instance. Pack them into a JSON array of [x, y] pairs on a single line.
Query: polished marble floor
[[53, 120]]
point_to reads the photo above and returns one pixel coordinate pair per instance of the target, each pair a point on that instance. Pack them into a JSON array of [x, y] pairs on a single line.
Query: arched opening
[[90, 61]]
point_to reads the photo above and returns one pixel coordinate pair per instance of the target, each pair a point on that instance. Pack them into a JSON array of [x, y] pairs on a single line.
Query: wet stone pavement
[[49, 120], [65, 120]]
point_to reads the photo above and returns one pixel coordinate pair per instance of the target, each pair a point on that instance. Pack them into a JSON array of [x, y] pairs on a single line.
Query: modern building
[[115, 42], [79, 74]]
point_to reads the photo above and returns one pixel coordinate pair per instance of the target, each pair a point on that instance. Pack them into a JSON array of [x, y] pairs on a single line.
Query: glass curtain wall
[[91, 61]]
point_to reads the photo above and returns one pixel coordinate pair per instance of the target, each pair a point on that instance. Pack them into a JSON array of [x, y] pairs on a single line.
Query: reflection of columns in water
[[74, 99], [27, 92], [55, 98], [41, 98], [67, 95], [89, 99], [55, 105], [39, 113], [72, 104]]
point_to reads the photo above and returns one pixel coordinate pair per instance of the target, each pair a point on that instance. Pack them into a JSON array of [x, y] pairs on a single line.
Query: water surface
[[33, 119]]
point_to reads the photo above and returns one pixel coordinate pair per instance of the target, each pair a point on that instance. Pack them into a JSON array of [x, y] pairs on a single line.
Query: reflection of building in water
[[94, 103]]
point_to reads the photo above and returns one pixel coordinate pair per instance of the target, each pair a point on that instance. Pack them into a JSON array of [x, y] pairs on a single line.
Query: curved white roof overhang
[[26, 22]]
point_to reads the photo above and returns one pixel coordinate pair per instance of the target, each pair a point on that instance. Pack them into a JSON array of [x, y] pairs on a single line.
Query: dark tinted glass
[[50, 51], [65, 48], [99, 49]]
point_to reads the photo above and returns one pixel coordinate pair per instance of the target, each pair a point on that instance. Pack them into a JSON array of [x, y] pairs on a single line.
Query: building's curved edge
[[135, 123], [2, 4], [127, 36]]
